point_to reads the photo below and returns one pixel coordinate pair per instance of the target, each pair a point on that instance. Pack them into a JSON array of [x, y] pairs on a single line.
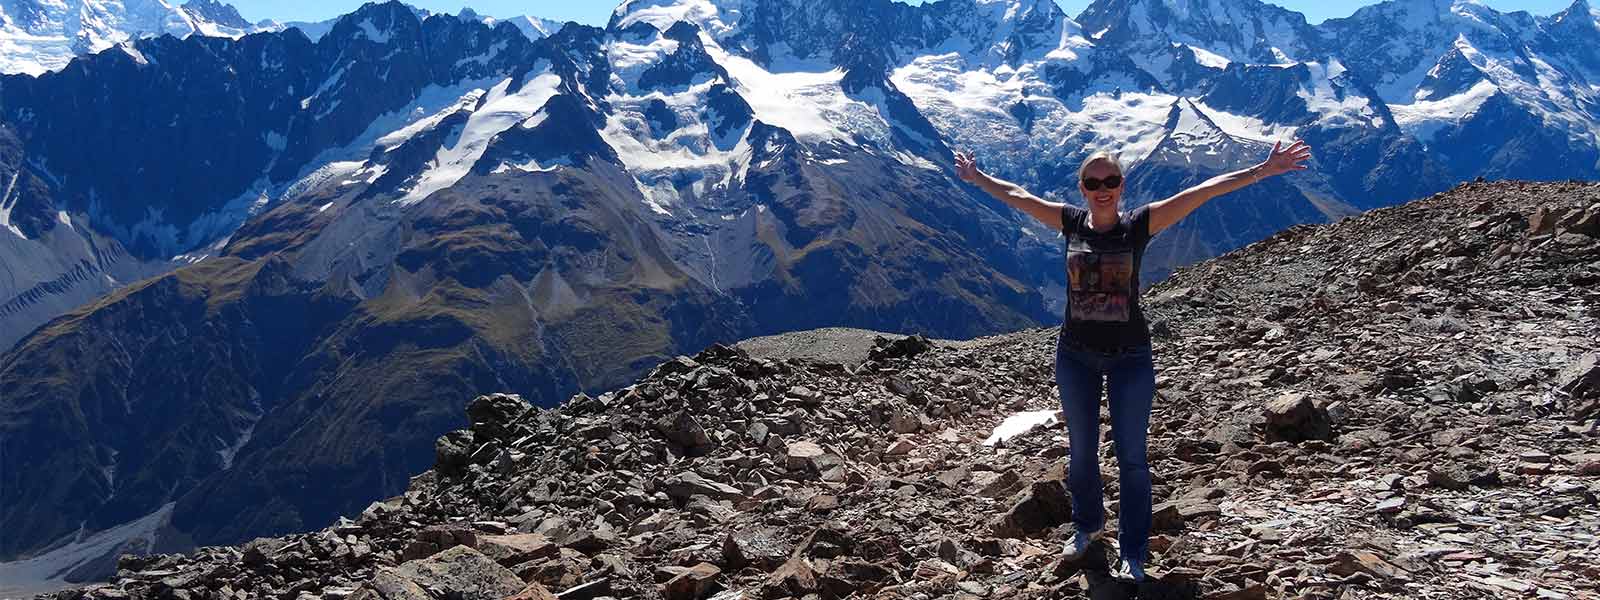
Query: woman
[[1104, 341]]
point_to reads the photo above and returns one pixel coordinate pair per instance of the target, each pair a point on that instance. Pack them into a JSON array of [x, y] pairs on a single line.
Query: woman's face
[[1102, 198]]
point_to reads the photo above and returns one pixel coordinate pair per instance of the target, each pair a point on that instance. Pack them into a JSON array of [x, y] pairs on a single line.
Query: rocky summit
[[1404, 404]]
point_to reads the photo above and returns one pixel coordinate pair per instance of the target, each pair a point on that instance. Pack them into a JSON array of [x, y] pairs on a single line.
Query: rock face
[[1454, 457], [1295, 417]]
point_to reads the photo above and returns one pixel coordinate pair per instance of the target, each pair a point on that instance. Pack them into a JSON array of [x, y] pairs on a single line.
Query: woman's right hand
[[967, 167]]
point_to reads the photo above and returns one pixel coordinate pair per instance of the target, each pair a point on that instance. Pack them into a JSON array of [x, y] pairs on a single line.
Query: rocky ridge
[[1404, 404]]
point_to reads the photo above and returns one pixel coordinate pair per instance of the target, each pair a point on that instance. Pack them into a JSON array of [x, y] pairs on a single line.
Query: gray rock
[[760, 547], [453, 451], [1295, 417], [466, 573], [1045, 505], [690, 484], [684, 429], [493, 414], [694, 583]]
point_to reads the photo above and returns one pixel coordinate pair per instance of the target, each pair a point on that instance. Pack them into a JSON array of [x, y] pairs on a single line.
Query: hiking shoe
[[1078, 546], [1135, 568]]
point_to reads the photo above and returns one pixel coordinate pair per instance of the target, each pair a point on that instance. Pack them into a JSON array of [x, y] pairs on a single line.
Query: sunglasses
[[1111, 182]]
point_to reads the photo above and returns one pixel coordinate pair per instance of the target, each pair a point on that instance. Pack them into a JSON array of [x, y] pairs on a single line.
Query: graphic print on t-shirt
[[1100, 283]]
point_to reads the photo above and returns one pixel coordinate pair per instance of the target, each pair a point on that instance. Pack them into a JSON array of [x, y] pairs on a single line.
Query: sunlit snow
[[1021, 423], [499, 110]]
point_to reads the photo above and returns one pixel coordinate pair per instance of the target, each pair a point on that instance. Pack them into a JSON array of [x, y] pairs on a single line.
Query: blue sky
[[596, 12]]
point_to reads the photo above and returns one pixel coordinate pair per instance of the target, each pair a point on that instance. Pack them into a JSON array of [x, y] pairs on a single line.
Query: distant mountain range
[[236, 269], [38, 36]]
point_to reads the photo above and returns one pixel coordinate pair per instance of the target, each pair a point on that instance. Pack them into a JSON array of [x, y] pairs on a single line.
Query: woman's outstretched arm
[[1046, 212], [1168, 212]]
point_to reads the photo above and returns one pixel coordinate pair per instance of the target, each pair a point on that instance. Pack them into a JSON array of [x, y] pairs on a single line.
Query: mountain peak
[[1238, 30], [217, 12], [1580, 10], [1411, 11], [376, 22], [1185, 120]]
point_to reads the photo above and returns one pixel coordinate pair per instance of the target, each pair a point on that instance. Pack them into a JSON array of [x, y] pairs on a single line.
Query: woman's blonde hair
[[1098, 156]]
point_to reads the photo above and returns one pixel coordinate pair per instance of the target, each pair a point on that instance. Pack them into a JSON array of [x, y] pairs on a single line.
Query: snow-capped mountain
[[1171, 38], [413, 206], [1497, 94], [533, 27], [37, 36]]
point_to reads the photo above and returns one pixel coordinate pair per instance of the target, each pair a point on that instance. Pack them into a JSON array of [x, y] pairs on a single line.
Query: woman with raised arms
[[1104, 343]]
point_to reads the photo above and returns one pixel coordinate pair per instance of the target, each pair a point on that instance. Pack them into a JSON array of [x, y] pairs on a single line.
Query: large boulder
[[1045, 505], [885, 349], [1295, 417], [1588, 223], [452, 452], [515, 549], [795, 578], [493, 415], [693, 584], [761, 547]]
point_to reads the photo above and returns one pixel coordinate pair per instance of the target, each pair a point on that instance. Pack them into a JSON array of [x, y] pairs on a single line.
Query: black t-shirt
[[1103, 279]]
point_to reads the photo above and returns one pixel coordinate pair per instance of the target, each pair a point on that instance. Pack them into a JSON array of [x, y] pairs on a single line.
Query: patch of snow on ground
[[1021, 423], [46, 573]]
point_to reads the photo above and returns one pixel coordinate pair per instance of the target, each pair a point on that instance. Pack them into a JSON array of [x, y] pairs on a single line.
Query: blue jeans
[[1129, 379]]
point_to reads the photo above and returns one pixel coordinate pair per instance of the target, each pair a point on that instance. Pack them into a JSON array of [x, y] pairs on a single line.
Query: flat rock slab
[[467, 573], [511, 550]]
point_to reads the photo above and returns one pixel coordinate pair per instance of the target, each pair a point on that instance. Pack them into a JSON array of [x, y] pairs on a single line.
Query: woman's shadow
[[1104, 585]]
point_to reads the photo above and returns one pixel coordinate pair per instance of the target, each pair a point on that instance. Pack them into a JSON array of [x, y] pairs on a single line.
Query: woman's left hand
[[1284, 160]]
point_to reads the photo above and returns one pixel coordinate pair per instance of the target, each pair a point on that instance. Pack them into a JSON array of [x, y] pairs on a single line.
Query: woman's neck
[[1103, 220]]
